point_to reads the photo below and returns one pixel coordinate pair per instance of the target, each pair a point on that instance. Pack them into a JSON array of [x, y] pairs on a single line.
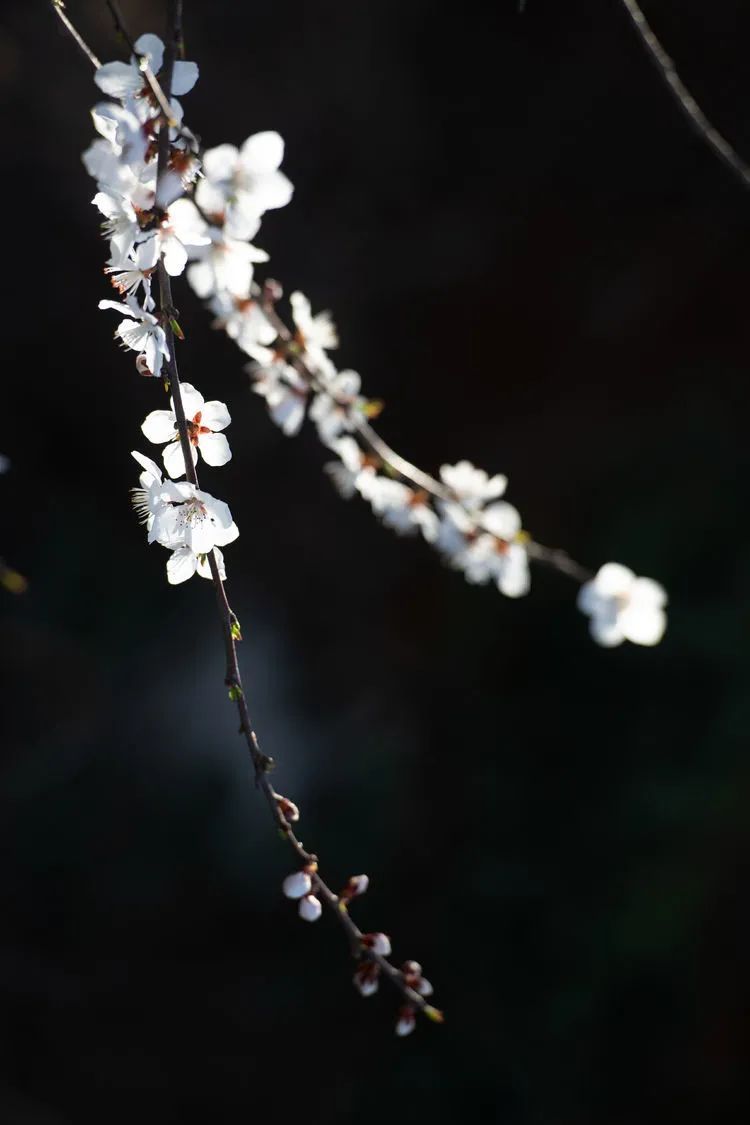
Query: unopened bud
[[367, 978], [272, 290], [297, 884], [412, 971], [357, 885], [309, 908], [287, 808], [378, 943], [406, 1021]]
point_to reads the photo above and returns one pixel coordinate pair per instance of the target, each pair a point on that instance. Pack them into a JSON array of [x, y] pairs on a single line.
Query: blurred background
[[538, 266]]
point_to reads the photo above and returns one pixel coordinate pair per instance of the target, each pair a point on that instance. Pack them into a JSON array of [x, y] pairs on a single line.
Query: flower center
[[195, 429]]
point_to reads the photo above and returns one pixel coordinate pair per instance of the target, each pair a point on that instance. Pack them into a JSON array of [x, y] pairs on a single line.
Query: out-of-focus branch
[[687, 103]]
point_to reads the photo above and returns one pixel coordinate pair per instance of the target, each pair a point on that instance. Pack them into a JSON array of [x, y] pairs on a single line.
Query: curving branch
[[685, 100]]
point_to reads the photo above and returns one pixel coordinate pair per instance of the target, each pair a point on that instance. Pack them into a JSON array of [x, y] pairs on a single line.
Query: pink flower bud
[[297, 884], [357, 885], [378, 943], [366, 978], [406, 1021], [310, 908], [287, 808], [424, 988]]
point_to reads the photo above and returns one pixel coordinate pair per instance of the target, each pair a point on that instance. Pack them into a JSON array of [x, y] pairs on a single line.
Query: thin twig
[[59, 7], [687, 103], [229, 623], [143, 63]]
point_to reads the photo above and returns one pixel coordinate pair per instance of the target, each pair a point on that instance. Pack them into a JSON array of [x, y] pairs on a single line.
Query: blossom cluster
[[200, 218], [151, 225]]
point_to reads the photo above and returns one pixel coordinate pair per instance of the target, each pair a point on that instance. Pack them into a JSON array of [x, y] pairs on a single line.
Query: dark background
[[538, 266]]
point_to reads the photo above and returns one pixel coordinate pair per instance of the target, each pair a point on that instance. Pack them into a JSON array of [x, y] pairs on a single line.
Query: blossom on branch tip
[[204, 420], [240, 185], [623, 607]]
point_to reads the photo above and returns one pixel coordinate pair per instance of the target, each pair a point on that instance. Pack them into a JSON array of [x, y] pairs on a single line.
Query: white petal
[[513, 579], [118, 79], [215, 415], [220, 162], [149, 465], [159, 426], [214, 448], [204, 570], [174, 462], [174, 254], [201, 278], [181, 565], [192, 400], [502, 520], [647, 592], [606, 632], [262, 153], [151, 46], [614, 580], [226, 535], [643, 624], [184, 77]]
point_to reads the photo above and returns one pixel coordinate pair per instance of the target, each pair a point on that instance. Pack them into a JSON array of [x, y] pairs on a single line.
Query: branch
[[59, 8], [287, 347], [687, 103], [229, 623]]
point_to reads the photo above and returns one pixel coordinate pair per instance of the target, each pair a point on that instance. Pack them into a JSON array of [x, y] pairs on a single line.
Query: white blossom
[[242, 184], [470, 485], [194, 519], [126, 80], [143, 334], [623, 607], [131, 272], [347, 474], [285, 392], [315, 334], [332, 410], [244, 321], [204, 420]]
